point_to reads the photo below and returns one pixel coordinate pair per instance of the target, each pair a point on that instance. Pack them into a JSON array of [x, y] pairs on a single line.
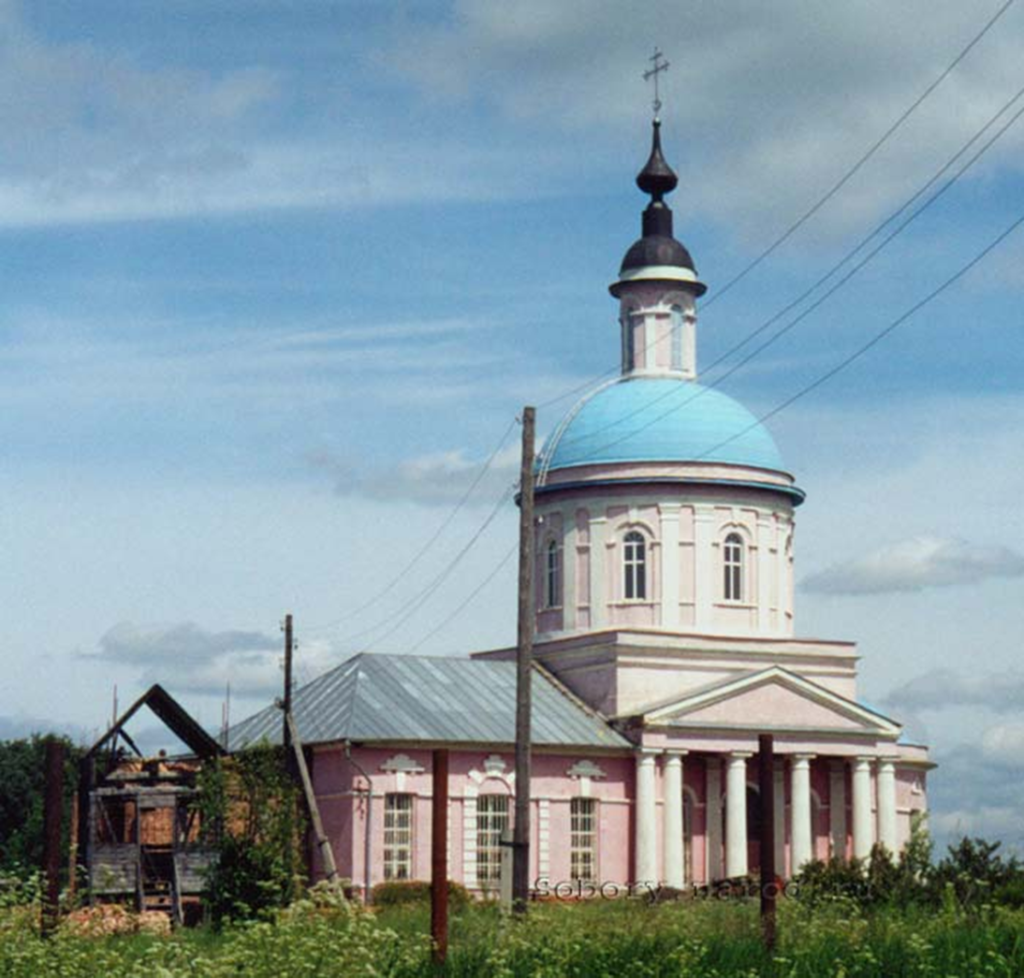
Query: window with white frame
[[397, 836], [634, 566], [583, 839], [677, 338], [552, 575], [491, 820], [732, 566]]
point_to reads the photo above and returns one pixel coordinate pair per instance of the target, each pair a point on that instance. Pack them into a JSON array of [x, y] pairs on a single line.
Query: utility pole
[[439, 857], [287, 702], [524, 664], [766, 786]]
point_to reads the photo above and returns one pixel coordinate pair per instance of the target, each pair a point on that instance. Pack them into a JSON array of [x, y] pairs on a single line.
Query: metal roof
[[429, 698]]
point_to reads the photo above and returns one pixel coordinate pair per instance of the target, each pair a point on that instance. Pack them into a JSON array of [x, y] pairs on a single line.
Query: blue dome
[[660, 419]]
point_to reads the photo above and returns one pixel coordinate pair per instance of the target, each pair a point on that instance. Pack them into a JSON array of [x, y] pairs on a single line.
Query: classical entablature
[[770, 700]]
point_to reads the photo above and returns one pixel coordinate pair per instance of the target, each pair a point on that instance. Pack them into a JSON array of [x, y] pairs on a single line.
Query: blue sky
[[277, 276]]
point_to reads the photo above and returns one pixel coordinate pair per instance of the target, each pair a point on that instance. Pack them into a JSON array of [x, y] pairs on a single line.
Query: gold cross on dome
[[660, 65]]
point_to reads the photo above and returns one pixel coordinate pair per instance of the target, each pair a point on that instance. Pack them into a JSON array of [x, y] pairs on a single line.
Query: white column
[[862, 834], [800, 808], [736, 816], [646, 820], [887, 804], [598, 560], [765, 539], [779, 801], [837, 808], [569, 561], [704, 577], [713, 820], [675, 870], [670, 565]]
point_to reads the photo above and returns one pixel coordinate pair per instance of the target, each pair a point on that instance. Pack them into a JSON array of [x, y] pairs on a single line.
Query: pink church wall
[[344, 811]]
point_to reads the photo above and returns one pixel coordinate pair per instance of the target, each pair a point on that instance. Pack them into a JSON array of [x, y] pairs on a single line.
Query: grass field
[[625, 939]]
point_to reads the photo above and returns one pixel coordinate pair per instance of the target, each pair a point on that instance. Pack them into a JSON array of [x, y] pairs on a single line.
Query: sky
[[277, 277]]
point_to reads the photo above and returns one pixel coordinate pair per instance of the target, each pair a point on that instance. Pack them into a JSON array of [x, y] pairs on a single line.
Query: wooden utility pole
[[53, 814], [766, 786], [524, 664], [287, 702], [439, 857]]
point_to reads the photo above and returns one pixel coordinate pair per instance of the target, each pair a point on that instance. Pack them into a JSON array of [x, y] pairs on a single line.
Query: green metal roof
[[432, 699]]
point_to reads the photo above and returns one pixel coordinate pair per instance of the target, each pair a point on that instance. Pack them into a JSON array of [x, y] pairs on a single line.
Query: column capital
[[675, 753], [887, 763], [861, 762], [740, 755], [646, 753], [801, 760]]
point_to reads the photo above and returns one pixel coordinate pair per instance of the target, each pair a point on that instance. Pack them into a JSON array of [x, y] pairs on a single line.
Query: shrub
[[395, 893]]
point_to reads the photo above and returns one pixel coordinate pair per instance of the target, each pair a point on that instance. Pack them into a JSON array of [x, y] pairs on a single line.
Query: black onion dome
[[657, 250], [658, 246], [657, 178]]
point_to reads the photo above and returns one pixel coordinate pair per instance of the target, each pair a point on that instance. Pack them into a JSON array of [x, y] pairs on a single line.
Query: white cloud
[[765, 105], [1002, 692], [1004, 743], [439, 478], [190, 659], [916, 564]]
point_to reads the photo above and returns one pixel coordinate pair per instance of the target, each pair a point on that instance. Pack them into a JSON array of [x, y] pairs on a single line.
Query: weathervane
[[660, 65]]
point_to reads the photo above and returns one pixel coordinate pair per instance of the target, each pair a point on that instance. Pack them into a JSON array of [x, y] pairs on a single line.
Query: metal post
[[524, 663], [439, 857], [766, 783], [53, 813]]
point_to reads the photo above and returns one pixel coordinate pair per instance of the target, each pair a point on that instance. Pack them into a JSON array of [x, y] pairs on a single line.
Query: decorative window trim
[[585, 771], [400, 765], [495, 767]]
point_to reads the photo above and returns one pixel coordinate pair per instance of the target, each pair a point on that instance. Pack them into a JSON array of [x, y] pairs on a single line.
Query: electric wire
[[469, 600], [783, 330], [876, 339], [431, 588], [445, 523], [846, 177], [814, 208]]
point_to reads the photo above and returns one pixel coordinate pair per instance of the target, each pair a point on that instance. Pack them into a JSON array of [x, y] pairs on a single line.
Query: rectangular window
[[491, 821], [553, 595], [397, 837], [583, 838]]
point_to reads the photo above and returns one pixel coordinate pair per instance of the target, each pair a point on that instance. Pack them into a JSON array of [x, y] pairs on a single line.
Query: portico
[[676, 846]]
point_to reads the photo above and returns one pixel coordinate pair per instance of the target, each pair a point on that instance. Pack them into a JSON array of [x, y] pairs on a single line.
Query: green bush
[[395, 893]]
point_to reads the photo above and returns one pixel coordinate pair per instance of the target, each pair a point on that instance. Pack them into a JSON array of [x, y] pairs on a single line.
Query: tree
[[21, 799]]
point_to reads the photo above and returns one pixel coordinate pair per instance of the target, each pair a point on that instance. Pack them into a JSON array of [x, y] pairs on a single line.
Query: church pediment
[[772, 699]]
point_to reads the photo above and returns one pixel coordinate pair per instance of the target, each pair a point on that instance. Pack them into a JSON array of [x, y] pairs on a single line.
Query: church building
[[665, 643]]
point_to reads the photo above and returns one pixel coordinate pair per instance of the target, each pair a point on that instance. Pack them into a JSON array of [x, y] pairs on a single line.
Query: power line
[[814, 208], [427, 592], [674, 393], [445, 523], [469, 599], [846, 177], [876, 339]]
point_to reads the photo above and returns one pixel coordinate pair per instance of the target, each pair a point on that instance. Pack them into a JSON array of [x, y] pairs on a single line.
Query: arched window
[[492, 818], [677, 338], [552, 575], [732, 564], [634, 564]]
